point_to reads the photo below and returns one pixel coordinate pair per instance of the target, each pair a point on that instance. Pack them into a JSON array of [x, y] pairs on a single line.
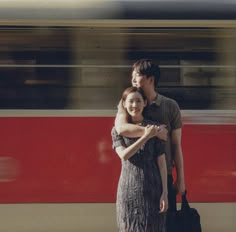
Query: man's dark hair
[[148, 68]]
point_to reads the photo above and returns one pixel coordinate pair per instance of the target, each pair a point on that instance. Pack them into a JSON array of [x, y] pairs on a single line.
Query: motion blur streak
[[63, 67]]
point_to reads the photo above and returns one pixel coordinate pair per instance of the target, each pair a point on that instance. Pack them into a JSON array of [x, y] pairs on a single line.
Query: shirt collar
[[157, 100]]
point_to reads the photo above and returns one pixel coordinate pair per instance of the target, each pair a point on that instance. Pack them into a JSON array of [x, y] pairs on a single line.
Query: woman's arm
[[126, 152], [161, 160]]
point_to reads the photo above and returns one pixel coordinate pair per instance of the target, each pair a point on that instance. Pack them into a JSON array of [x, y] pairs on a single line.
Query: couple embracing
[[147, 138]]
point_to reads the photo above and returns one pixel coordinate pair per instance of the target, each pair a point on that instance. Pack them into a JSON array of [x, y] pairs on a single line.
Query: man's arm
[[123, 127], [134, 131], [127, 129], [178, 159], [126, 152]]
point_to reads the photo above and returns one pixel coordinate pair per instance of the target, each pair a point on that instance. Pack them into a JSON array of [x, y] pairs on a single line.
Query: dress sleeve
[[117, 140], [160, 147]]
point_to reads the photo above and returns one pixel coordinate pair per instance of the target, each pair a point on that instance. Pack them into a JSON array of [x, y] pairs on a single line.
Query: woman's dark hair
[[148, 68], [132, 89]]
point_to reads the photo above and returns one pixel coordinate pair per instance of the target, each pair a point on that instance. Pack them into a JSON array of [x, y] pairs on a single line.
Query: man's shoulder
[[167, 100]]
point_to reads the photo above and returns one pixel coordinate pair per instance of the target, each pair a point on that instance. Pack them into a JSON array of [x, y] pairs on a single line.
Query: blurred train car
[[63, 66]]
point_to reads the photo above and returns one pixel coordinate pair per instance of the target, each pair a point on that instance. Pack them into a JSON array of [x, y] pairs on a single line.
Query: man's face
[[138, 80], [141, 81]]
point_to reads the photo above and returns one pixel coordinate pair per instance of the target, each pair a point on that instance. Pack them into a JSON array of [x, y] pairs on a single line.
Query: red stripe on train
[[69, 159]]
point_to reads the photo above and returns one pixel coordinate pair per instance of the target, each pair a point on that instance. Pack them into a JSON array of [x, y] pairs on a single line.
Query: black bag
[[185, 220]]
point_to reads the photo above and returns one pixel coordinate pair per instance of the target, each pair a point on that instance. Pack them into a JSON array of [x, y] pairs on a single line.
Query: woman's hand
[[162, 132], [150, 131], [163, 202]]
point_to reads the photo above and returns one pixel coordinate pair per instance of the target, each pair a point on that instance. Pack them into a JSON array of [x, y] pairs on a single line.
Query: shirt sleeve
[[117, 140], [176, 120]]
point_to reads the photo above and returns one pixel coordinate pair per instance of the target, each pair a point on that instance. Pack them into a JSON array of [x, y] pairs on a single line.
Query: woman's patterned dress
[[140, 188]]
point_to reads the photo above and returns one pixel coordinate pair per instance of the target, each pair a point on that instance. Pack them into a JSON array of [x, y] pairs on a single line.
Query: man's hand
[[120, 108], [162, 132], [180, 186], [121, 117]]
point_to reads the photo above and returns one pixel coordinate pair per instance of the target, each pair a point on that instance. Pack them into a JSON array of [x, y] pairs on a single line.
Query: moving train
[[63, 67]]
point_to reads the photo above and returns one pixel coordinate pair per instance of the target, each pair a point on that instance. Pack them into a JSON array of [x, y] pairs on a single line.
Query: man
[[163, 110]]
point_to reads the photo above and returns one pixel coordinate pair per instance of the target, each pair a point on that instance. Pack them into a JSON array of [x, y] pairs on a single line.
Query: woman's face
[[134, 104]]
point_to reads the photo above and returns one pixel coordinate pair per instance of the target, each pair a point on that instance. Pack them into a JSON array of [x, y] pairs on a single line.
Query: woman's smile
[[134, 105]]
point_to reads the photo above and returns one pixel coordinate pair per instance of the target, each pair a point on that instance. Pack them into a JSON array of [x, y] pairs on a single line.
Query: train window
[[88, 68], [197, 64], [30, 78], [60, 68]]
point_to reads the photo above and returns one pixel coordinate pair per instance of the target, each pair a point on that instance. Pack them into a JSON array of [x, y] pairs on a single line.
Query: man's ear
[[145, 103], [152, 80]]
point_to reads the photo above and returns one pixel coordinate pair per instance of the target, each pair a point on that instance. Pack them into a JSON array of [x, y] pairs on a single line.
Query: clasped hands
[[159, 131]]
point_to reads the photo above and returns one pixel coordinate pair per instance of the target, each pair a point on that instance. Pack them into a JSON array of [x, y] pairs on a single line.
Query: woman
[[142, 188]]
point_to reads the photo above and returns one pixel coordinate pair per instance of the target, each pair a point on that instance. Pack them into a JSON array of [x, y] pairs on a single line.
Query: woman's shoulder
[[114, 131], [115, 135]]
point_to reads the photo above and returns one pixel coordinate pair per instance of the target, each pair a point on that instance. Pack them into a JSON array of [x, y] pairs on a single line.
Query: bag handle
[[185, 205]]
